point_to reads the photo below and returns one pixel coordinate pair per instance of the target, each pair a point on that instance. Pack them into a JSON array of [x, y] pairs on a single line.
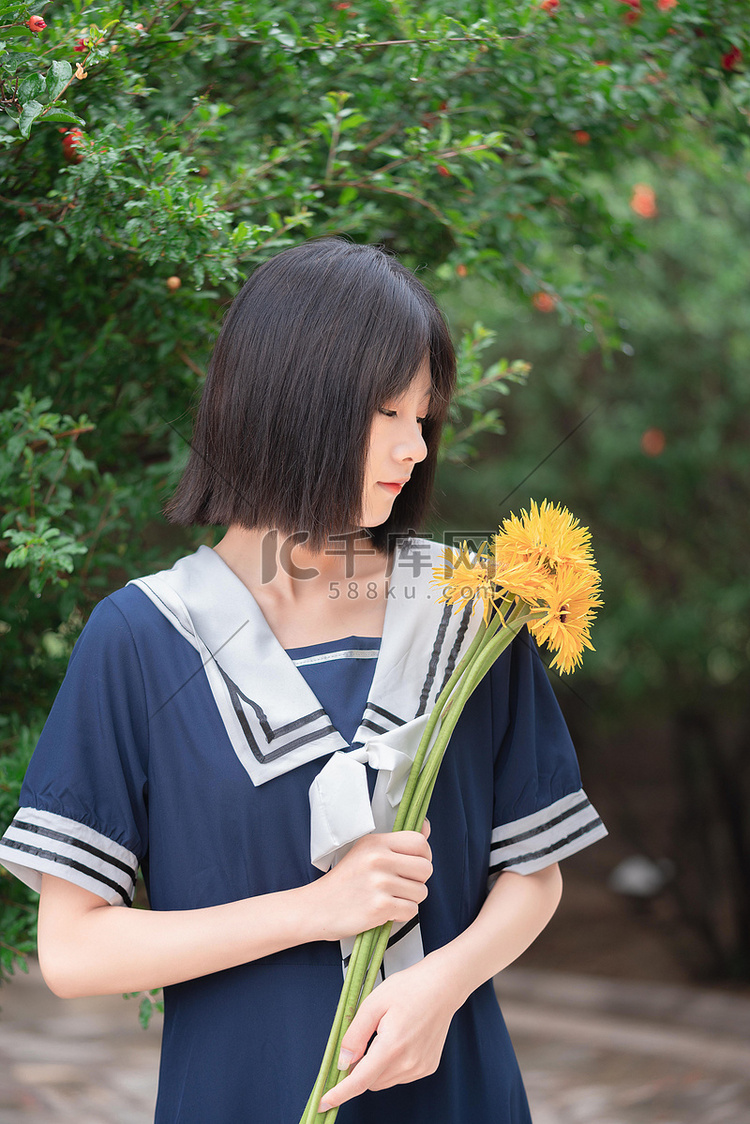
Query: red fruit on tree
[[70, 145], [732, 59], [580, 136], [635, 10], [666, 5], [544, 302], [643, 201], [461, 269], [549, 5], [653, 442], [36, 24], [173, 284], [442, 170]]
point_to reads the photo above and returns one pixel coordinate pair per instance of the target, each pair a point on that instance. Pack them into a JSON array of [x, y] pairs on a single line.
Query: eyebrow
[[395, 397]]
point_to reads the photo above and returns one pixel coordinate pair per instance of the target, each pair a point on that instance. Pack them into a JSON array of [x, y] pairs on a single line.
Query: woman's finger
[[361, 1029], [364, 1075], [353, 1045]]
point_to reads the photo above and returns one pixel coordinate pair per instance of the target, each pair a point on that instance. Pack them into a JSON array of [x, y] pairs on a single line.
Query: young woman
[[202, 703]]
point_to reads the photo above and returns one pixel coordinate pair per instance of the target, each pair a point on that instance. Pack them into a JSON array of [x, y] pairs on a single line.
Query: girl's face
[[396, 445]]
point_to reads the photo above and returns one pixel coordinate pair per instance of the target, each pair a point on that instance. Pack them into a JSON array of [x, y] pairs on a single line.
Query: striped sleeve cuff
[[546, 836], [39, 842]]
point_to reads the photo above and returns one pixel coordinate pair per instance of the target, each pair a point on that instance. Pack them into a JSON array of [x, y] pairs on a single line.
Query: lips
[[394, 486]]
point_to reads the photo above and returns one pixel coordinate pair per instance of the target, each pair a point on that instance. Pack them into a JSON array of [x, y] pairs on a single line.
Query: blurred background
[[572, 182], [649, 445]]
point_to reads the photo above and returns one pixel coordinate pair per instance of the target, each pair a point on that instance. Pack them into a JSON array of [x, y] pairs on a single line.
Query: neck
[[263, 558]]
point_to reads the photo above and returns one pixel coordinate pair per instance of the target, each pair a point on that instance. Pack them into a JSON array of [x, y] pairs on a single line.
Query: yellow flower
[[543, 560], [548, 536], [524, 578], [565, 619], [464, 579]]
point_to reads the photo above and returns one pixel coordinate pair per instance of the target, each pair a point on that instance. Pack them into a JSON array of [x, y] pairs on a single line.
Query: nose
[[411, 444]]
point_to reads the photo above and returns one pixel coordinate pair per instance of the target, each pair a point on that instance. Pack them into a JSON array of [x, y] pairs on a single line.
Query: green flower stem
[[351, 997], [369, 949], [483, 652], [471, 680], [377, 958], [362, 959], [478, 644], [358, 962], [440, 702], [311, 1114], [423, 793]]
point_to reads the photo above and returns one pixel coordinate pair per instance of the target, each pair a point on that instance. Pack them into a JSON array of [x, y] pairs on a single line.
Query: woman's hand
[[411, 1011], [409, 1014], [382, 878], [87, 947]]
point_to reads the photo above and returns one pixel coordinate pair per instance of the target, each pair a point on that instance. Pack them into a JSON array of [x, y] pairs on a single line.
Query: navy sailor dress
[[139, 765]]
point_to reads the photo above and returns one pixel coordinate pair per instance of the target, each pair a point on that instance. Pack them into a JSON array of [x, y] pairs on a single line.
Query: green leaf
[[348, 195], [351, 120], [29, 114], [59, 114], [60, 73], [31, 87]]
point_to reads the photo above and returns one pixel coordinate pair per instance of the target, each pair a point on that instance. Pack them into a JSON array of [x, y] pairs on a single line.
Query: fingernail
[[325, 1106], [345, 1058]]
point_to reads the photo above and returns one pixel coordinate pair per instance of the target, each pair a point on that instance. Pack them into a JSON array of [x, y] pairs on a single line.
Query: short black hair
[[318, 339]]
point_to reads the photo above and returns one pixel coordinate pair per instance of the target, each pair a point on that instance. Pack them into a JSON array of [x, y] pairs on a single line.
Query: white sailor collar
[[274, 721]]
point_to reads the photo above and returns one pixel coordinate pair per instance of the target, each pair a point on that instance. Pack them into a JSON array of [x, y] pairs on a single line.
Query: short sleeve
[[541, 813], [82, 812]]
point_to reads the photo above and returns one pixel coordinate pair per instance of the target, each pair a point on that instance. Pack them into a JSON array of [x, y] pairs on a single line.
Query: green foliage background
[[475, 139], [652, 451]]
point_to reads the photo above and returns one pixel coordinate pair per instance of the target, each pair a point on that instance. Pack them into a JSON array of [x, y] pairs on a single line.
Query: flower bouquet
[[537, 572]]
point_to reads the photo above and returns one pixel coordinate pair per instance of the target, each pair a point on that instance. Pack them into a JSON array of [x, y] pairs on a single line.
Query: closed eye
[[394, 414]]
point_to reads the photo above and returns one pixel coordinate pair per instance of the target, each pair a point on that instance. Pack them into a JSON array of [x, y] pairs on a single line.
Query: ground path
[[592, 1051]]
